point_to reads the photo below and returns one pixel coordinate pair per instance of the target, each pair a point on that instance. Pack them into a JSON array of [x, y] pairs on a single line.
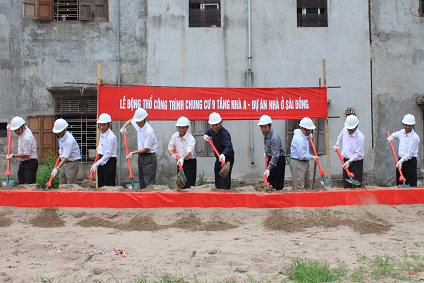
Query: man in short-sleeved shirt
[[147, 147], [27, 151], [185, 145], [70, 154]]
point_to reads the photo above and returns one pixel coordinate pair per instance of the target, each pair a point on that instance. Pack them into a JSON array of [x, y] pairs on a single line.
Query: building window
[[204, 13], [80, 113], [421, 8], [292, 125], [198, 130], [66, 10], [312, 13], [3, 129]]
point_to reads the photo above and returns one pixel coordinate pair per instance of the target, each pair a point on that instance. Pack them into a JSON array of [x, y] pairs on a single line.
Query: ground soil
[[88, 244]]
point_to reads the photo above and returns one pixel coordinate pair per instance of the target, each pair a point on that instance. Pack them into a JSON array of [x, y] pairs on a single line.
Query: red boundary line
[[208, 199]]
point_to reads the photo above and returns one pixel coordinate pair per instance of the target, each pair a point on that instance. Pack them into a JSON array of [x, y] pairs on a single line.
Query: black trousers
[[409, 171], [190, 171], [276, 176], [223, 183], [106, 173], [357, 168], [27, 172]]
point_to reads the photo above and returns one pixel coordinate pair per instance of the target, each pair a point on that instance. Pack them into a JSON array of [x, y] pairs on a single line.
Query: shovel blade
[[353, 181], [133, 185], [7, 182], [182, 176], [225, 170], [405, 185], [180, 183], [326, 181]]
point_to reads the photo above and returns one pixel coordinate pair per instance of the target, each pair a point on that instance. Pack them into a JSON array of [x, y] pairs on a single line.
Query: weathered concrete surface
[[158, 48], [397, 41]]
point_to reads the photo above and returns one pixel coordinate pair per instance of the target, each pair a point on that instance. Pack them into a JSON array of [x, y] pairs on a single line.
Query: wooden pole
[[327, 135], [99, 82]]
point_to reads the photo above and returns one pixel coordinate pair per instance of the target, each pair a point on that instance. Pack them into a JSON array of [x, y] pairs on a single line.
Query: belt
[[300, 160], [72, 161], [29, 160]]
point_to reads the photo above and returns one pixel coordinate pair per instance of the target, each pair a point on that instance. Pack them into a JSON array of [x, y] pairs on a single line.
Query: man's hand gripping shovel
[[401, 178], [49, 183], [324, 181], [181, 178], [350, 174], [225, 166], [92, 171], [133, 185]]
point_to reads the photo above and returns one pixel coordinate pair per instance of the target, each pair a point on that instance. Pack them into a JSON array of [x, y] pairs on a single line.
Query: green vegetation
[[45, 170], [202, 180], [402, 268]]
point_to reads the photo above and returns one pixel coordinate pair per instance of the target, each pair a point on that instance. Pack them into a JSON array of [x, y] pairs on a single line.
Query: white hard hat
[[214, 118], [307, 123], [351, 122], [16, 123], [182, 122], [104, 118], [409, 119], [265, 120], [59, 125], [139, 115]]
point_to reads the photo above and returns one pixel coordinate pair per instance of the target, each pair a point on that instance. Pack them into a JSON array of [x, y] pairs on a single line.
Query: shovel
[[324, 181], [49, 183], [134, 185], [266, 167], [181, 178], [92, 171], [225, 166], [401, 178], [350, 174], [8, 182]]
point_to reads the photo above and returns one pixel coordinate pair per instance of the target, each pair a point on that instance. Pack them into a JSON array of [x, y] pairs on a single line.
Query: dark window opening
[[312, 13], [3, 130], [204, 13], [421, 7]]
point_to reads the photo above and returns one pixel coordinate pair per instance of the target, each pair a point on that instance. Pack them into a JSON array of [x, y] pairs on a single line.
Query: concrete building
[[373, 50]]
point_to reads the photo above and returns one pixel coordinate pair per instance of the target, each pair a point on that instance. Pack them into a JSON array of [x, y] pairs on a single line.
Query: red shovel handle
[[350, 174], [7, 173], [176, 156], [216, 152], [49, 183], [126, 150], [401, 178], [321, 172], [266, 167], [92, 171]]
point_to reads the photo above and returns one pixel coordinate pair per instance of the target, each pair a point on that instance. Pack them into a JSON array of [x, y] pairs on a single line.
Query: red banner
[[196, 103]]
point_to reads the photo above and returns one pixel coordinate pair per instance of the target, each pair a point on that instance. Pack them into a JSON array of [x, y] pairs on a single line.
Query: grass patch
[[307, 270]]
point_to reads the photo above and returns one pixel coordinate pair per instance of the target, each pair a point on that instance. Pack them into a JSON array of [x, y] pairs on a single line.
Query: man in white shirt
[[353, 150], [185, 145], [107, 149], [408, 150], [69, 154], [299, 155], [27, 151], [147, 147]]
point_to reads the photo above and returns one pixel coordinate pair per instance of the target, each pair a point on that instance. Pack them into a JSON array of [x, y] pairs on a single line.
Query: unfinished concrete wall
[[39, 55], [283, 55], [397, 37]]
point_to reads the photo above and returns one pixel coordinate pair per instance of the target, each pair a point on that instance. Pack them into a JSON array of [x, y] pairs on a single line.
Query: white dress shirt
[[299, 148], [146, 137], [184, 144], [408, 144], [353, 145], [27, 145], [108, 147], [69, 147]]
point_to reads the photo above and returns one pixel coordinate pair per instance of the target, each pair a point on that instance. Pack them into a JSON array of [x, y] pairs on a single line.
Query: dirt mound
[[287, 222], [47, 218], [5, 221]]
